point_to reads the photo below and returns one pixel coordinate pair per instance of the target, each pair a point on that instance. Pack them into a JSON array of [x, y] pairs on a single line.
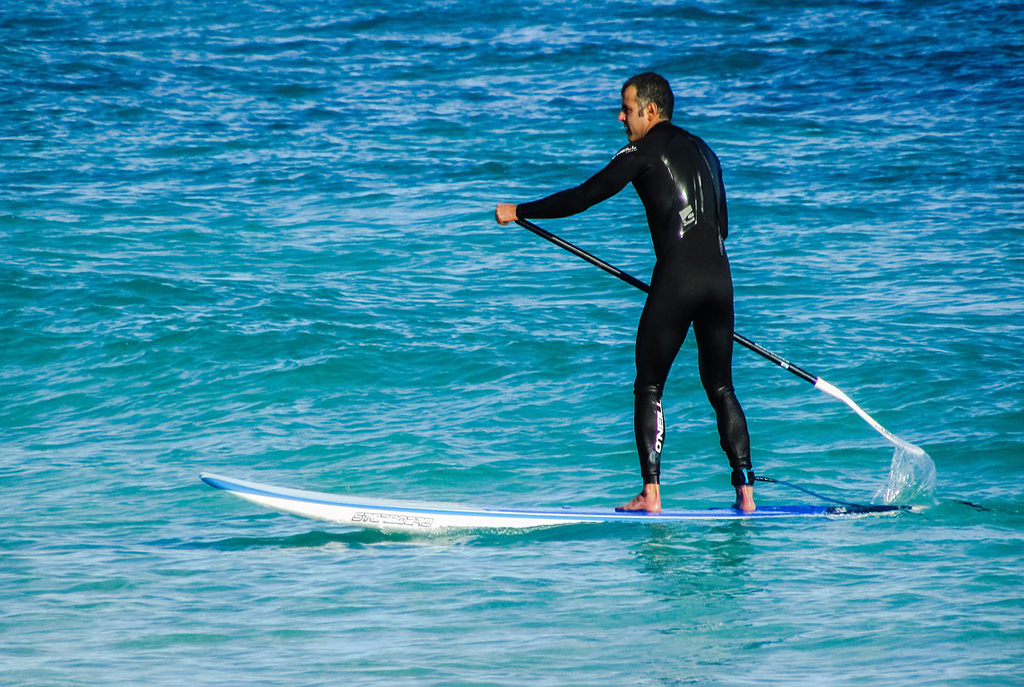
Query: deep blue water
[[259, 240]]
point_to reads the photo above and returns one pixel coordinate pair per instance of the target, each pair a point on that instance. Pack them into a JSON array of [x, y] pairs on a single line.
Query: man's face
[[636, 121]]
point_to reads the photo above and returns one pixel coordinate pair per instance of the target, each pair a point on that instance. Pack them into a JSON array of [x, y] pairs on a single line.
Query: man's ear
[[652, 110]]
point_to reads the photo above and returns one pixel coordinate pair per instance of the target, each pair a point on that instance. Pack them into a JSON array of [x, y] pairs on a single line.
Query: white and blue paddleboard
[[398, 516]]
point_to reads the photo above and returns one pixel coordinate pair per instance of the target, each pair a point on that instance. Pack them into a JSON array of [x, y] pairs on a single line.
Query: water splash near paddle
[[912, 471], [911, 476]]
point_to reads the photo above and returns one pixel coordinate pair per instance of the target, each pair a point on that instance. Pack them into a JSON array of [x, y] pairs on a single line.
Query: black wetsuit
[[679, 181]]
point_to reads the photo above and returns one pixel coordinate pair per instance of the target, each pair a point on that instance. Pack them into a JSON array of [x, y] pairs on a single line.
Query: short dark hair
[[652, 88]]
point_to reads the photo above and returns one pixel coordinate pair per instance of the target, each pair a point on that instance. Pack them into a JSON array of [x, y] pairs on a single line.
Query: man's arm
[[603, 185]]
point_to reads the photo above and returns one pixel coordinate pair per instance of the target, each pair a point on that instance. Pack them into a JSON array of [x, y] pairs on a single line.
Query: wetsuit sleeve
[[603, 185]]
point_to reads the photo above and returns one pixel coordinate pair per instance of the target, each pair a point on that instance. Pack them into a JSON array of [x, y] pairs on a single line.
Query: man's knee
[[720, 395], [646, 388]]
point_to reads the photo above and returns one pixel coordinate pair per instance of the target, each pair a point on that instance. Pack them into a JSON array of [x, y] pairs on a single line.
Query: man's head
[[646, 100]]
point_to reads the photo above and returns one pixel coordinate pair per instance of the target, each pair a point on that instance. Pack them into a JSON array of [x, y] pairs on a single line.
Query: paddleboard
[[406, 516]]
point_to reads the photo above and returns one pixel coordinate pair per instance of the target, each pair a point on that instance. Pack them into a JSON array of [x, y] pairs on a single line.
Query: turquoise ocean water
[[257, 239]]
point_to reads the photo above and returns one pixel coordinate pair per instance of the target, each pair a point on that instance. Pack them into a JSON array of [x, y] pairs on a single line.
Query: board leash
[[772, 480], [864, 508]]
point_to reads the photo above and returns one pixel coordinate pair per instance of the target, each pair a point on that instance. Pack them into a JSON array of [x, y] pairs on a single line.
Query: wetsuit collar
[[662, 125]]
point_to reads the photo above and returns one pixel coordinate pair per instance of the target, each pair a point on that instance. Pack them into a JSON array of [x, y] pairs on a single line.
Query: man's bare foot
[[647, 500], [745, 499]]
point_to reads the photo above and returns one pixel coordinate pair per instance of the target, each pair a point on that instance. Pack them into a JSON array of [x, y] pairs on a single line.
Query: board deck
[[398, 516]]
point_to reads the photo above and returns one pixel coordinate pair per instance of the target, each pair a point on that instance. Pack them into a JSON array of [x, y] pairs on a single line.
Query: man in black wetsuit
[[679, 181]]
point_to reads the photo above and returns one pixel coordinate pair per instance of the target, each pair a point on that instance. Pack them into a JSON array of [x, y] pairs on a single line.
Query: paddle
[[817, 382]]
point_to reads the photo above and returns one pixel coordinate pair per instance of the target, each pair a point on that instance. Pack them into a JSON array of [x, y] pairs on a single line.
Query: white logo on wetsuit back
[[688, 218]]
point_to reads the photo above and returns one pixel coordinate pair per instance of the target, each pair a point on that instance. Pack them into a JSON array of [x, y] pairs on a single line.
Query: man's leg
[[714, 344], [661, 332], [649, 428]]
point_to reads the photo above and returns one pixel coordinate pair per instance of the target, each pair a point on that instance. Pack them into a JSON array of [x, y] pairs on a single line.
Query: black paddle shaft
[[633, 281]]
